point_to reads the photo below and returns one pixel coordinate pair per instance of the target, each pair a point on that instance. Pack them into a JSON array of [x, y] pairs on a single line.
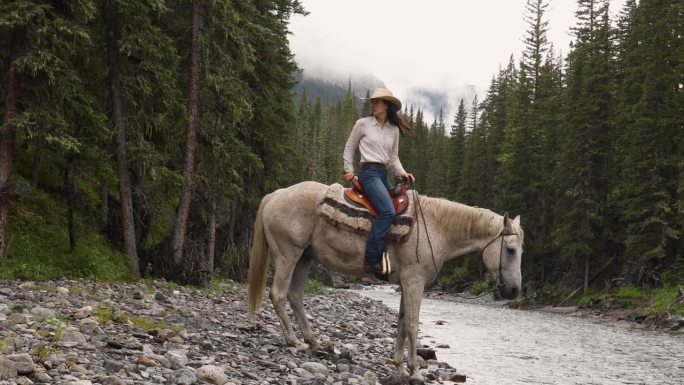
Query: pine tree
[[44, 98], [456, 151], [535, 41], [583, 164], [652, 113]]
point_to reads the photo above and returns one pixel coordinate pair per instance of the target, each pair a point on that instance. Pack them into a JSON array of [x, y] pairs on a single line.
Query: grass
[[480, 287], [314, 286], [39, 243], [104, 313], [646, 301]]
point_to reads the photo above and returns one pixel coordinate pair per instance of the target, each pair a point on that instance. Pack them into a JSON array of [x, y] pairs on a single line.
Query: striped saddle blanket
[[340, 212]]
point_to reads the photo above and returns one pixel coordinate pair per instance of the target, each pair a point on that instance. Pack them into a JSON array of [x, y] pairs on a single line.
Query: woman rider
[[377, 139]]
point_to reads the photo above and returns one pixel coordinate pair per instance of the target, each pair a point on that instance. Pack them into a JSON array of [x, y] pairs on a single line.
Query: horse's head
[[502, 257]]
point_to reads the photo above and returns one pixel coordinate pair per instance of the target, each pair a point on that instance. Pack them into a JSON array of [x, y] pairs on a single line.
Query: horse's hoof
[[300, 346], [416, 381]]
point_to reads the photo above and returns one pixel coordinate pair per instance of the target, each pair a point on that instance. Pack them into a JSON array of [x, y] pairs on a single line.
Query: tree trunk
[[586, 275], [7, 136], [181, 222], [117, 119], [69, 195], [37, 163], [211, 241], [104, 210]]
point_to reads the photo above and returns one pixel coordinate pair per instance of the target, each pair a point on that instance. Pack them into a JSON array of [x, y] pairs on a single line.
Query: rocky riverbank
[[84, 333]]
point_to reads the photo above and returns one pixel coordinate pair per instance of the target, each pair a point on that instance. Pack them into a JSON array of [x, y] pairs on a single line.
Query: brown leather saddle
[[399, 195]]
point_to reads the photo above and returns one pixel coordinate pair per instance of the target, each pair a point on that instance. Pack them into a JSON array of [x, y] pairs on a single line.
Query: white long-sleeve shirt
[[375, 143]]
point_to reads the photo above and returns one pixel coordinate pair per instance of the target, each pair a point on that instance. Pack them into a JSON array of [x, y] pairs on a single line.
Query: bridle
[[500, 284]]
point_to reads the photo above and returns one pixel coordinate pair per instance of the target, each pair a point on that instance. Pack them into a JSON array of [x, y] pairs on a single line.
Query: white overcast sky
[[443, 45]]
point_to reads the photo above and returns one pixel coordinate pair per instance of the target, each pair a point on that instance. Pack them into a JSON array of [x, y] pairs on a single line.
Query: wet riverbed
[[494, 345]]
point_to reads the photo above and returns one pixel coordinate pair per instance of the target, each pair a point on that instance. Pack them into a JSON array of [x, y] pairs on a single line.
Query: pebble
[[85, 333]]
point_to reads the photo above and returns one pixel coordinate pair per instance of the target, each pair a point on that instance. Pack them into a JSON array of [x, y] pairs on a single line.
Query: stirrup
[[384, 274]]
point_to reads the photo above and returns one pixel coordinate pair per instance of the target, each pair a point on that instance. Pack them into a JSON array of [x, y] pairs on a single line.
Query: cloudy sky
[[441, 45]]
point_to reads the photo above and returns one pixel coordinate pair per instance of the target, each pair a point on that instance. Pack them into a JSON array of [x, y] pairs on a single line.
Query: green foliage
[[482, 286], [629, 292], [39, 246], [314, 286], [668, 299]]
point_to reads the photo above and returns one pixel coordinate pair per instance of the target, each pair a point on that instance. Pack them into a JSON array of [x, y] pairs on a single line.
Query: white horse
[[289, 229]]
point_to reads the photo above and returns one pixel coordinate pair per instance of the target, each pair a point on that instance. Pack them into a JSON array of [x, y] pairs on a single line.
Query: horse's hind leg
[[296, 296], [282, 277]]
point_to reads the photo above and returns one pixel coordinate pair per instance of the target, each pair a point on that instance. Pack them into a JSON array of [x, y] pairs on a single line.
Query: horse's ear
[[516, 221], [508, 229]]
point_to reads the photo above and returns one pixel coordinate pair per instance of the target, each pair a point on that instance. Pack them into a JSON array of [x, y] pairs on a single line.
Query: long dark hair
[[396, 118]]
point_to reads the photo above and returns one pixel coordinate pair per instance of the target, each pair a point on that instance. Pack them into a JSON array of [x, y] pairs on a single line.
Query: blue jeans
[[376, 187]]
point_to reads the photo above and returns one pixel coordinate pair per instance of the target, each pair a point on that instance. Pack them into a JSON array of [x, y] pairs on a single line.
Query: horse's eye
[[511, 250]]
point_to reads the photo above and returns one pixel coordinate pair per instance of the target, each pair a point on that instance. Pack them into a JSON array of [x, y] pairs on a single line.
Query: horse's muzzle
[[508, 292]]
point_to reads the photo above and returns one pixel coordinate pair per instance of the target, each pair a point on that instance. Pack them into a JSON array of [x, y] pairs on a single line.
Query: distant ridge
[[331, 89]]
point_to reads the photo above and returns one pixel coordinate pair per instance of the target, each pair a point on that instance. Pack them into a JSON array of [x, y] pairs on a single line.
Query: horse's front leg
[[412, 295], [401, 338]]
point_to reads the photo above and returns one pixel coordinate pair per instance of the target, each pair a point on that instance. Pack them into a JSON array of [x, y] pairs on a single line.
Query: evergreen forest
[[139, 137]]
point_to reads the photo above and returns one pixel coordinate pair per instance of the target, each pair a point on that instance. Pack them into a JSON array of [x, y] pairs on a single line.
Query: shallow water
[[492, 345]]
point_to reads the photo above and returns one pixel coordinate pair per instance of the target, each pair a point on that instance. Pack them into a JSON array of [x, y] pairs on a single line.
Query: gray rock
[[84, 312], [24, 381], [177, 359], [81, 382], [182, 377], [90, 326], [23, 363], [62, 290], [72, 338], [42, 378], [315, 367], [18, 319], [111, 380], [213, 374], [8, 369], [113, 366], [42, 313]]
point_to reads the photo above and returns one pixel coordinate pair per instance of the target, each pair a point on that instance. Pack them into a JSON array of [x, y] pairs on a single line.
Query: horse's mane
[[464, 222]]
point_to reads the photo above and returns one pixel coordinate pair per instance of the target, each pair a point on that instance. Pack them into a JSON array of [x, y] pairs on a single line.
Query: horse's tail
[[258, 260]]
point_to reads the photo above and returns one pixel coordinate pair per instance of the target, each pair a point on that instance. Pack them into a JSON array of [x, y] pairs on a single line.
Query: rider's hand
[[409, 177], [349, 175]]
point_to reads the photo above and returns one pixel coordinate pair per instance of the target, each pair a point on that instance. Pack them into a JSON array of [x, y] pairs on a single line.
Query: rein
[[417, 206], [502, 234]]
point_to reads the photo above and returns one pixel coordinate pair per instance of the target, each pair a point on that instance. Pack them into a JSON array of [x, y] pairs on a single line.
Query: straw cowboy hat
[[385, 94]]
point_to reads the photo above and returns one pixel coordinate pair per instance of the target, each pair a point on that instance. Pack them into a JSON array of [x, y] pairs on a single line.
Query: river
[[495, 345]]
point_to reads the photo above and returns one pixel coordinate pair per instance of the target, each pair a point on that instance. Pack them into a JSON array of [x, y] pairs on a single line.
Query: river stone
[[213, 374], [81, 382], [315, 367], [182, 377], [8, 369], [23, 362], [111, 380], [24, 381], [72, 338], [177, 359], [42, 313], [84, 312], [62, 290], [112, 366], [89, 325], [18, 318], [42, 378]]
